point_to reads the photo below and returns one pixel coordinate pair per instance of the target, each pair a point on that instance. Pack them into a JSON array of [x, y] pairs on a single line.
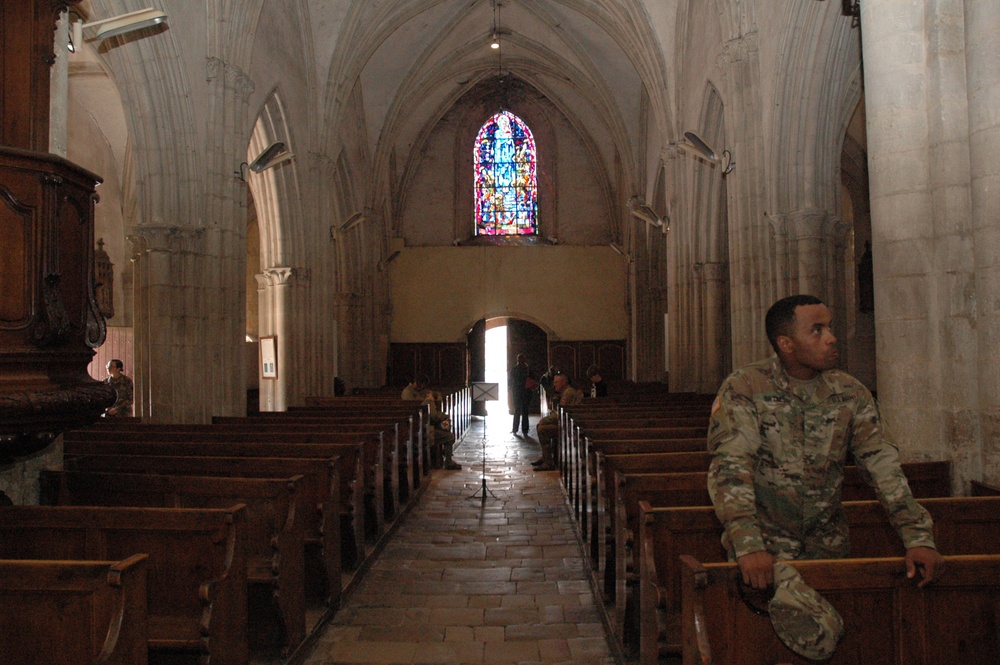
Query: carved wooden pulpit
[[49, 319]]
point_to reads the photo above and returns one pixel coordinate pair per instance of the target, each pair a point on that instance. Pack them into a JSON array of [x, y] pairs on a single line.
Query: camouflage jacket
[[124, 388], [569, 397], [778, 458]]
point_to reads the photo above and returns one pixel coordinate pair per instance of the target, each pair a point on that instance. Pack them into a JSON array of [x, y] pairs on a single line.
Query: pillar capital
[[279, 275], [808, 223], [712, 272]]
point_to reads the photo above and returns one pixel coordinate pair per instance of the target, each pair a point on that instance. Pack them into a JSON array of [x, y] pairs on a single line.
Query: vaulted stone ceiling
[[597, 61]]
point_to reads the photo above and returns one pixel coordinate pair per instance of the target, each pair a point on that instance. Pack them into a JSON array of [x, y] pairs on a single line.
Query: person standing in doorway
[[517, 379]]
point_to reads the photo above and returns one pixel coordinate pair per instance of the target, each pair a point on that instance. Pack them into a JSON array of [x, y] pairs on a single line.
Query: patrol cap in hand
[[805, 621]]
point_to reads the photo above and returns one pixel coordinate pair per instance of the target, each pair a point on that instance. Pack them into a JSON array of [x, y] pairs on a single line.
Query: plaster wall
[[574, 293]]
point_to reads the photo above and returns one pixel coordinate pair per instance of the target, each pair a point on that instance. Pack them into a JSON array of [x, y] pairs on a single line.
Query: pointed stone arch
[[274, 194]]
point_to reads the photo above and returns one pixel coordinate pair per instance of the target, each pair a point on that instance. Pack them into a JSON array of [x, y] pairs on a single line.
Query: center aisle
[[494, 582]]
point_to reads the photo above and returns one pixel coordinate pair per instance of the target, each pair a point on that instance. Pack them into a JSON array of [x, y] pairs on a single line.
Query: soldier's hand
[[925, 560], [757, 569]]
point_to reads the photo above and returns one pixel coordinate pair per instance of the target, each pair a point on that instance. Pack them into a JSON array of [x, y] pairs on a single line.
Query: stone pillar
[[751, 264], [279, 282], [343, 307], [172, 342], [922, 245], [140, 330], [982, 25], [264, 327], [715, 333], [59, 89]]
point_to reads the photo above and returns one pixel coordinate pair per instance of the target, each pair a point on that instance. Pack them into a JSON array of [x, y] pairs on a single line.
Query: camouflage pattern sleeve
[[571, 396], [878, 458], [733, 441]]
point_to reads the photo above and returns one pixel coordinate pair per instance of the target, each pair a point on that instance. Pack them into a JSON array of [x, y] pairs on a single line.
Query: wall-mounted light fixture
[[353, 221], [698, 146], [273, 155], [119, 25], [389, 259], [619, 250], [642, 211]]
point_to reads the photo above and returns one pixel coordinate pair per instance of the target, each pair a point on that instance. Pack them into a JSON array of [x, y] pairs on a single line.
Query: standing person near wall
[[546, 382], [520, 394]]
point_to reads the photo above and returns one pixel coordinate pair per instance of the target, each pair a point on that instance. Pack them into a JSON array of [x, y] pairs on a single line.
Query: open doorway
[[496, 364], [493, 346]]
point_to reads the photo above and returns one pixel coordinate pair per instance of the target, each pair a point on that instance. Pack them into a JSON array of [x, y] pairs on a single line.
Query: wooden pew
[[401, 429], [887, 619], [367, 523], [926, 479], [977, 488], [578, 454], [197, 571], [962, 525], [275, 535], [380, 406], [73, 612], [595, 484], [320, 485], [573, 459], [381, 455]]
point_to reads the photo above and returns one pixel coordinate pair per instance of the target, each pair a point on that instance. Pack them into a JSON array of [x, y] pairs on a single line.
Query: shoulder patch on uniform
[[716, 404]]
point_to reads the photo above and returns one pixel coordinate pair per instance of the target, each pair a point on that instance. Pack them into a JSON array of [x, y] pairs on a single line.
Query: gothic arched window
[[506, 180]]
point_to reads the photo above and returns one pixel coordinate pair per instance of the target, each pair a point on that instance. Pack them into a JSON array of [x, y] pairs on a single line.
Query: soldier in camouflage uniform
[[124, 389], [780, 433], [439, 427]]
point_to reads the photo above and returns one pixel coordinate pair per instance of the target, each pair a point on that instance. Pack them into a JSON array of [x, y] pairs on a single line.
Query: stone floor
[[464, 579]]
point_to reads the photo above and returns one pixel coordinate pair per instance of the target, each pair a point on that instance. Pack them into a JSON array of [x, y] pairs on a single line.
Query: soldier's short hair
[[781, 317]]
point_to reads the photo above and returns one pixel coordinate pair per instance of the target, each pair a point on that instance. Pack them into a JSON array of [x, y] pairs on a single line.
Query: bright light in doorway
[[496, 367]]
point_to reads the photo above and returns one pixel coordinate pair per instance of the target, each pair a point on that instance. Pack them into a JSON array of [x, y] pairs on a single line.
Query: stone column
[[918, 151], [279, 282], [170, 335], [982, 25], [59, 89], [140, 330], [265, 326], [715, 329], [751, 264]]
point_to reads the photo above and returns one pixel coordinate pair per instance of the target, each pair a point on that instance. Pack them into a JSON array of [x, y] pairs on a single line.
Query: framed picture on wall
[[268, 358]]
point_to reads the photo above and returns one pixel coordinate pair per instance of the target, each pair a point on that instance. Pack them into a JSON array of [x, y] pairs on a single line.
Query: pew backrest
[[197, 568], [887, 619], [73, 612]]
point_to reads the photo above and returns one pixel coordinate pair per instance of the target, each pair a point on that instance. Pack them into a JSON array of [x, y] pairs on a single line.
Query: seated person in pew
[[548, 427], [124, 389], [440, 421], [780, 433]]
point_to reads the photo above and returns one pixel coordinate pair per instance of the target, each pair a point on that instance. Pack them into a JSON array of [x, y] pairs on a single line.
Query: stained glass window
[[506, 177]]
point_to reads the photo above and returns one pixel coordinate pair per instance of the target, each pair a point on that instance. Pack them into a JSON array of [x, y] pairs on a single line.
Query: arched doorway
[[494, 343]]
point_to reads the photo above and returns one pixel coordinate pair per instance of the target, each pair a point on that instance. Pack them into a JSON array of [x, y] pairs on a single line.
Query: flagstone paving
[[494, 581]]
